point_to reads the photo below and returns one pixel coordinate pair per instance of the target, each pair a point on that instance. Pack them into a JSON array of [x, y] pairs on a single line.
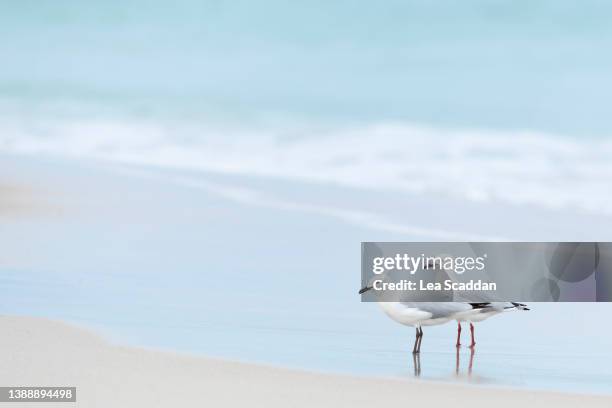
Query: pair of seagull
[[419, 314]]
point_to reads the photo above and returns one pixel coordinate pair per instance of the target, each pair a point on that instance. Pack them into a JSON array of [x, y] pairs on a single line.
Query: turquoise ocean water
[[537, 65]]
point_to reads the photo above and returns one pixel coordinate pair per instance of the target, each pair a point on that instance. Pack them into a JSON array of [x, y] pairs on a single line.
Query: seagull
[[419, 314], [482, 311]]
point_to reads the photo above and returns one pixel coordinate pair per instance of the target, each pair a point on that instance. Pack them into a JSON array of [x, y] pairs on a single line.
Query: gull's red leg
[[458, 334], [472, 332]]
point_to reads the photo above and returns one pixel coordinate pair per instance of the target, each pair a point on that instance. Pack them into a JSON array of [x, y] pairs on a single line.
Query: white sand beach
[[44, 352]]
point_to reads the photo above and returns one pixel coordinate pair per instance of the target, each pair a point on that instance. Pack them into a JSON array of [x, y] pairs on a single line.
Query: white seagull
[[419, 314]]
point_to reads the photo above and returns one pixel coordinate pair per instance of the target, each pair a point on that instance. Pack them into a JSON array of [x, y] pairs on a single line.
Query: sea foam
[[517, 167]]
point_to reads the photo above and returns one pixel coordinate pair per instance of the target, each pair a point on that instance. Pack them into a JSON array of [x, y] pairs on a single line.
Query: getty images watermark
[[487, 271]]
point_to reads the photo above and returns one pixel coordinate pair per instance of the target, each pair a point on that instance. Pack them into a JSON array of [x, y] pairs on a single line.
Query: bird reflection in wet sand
[[416, 363], [470, 365]]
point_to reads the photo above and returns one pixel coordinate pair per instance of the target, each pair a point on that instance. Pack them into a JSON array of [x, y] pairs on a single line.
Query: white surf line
[[361, 218]]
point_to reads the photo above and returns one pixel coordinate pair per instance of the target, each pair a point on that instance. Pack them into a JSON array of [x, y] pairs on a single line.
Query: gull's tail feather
[[517, 306]]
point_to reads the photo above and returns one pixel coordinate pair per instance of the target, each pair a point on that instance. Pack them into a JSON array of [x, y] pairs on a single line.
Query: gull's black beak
[[364, 289]]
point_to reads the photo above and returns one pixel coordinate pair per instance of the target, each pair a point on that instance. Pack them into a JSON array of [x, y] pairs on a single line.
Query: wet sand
[[43, 352]]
